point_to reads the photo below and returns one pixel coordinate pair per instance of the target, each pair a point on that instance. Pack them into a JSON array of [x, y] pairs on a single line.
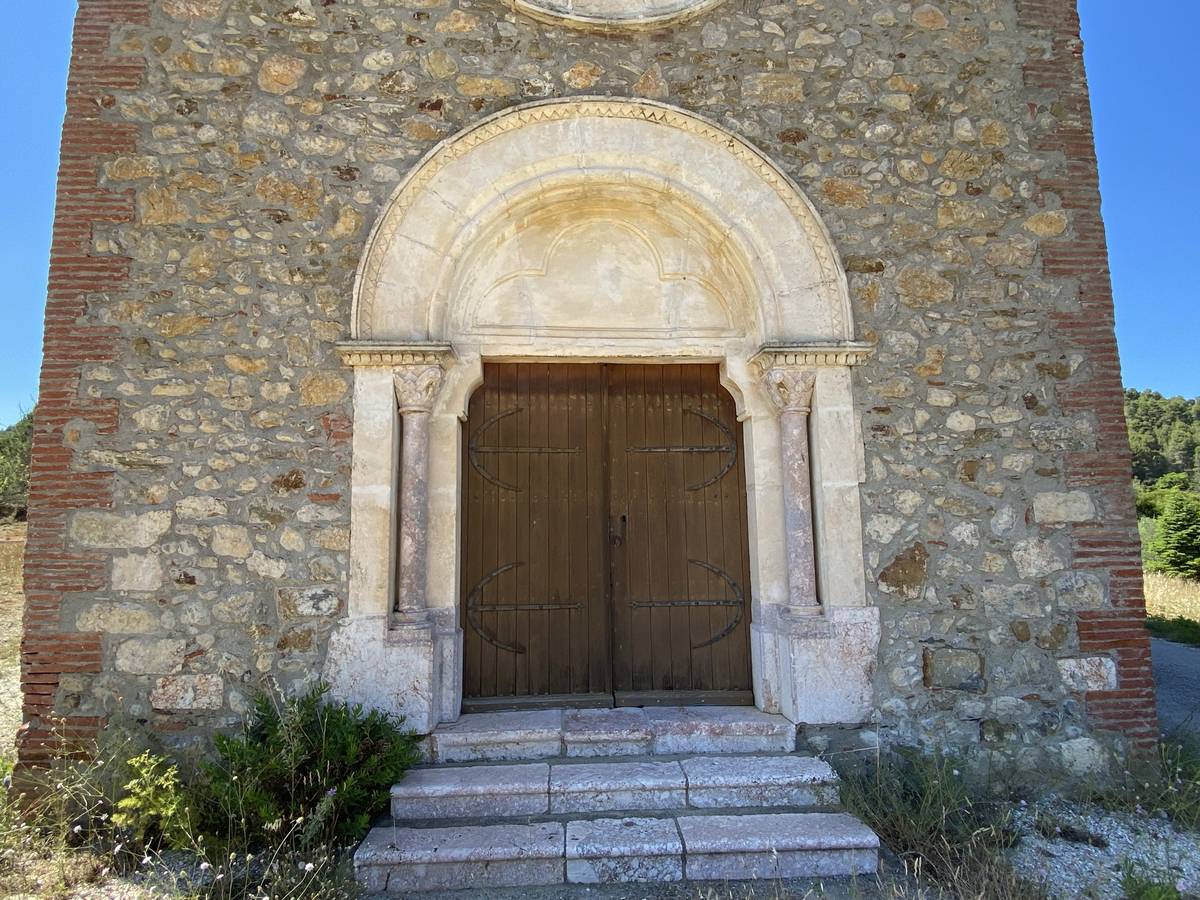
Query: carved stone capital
[[417, 387], [790, 388], [841, 353]]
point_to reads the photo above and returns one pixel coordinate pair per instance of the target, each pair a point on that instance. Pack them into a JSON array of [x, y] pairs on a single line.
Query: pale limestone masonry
[[339, 211]]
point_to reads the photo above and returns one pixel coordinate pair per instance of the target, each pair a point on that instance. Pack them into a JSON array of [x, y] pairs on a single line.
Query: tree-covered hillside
[[1164, 434]]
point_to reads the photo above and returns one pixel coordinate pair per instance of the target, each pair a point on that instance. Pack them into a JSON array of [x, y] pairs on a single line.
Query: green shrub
[[1176, 547], [15, 444], [324, 768], [154, 807]]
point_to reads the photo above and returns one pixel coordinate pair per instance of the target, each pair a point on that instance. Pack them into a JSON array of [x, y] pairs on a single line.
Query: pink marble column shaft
[[791, 389], [416, 388]]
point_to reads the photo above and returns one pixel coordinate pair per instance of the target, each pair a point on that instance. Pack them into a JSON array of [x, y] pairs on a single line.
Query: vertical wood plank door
[[604, 549]]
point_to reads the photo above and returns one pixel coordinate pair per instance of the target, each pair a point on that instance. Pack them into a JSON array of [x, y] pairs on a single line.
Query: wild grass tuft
[[941, 824]]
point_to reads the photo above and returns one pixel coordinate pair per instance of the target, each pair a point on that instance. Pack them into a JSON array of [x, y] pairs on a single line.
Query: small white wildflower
[[77, 829], [205, 866], [308, 867]]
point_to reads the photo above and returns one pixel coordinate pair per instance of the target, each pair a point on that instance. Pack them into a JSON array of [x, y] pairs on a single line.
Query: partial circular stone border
[[614, 15]]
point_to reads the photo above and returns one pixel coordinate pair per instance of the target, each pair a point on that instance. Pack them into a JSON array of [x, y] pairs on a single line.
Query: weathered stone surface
[[1058, 507], [500, 736], [606, 732], [956, 670], [231, 540], [188, 692], [719, 729], [1036, 558], [305, 602], [779, 845], [92, 528], [137, 572], [906, 573], [774, 87], [600, 787], [604, 851], [472, 792], [150, 656], [731, 781], [1092, 673], [398, 860], [119, 618], [281, 74]]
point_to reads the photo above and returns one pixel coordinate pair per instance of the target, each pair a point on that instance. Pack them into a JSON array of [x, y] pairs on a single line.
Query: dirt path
[[12, 547]]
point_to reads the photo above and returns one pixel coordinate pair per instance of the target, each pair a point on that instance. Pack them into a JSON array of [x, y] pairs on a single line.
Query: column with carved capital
[[791, 390], [417, 387]]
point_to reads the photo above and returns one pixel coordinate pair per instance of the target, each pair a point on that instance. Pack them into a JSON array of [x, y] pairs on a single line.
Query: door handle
[[617, 537]]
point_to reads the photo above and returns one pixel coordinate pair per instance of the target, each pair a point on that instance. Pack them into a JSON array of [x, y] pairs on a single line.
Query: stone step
[[547, 733], [633, 784], [600, 850]]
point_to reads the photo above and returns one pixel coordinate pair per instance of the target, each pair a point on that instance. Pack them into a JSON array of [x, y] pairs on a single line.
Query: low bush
[[329, 766], [15, 444], [272, 815]]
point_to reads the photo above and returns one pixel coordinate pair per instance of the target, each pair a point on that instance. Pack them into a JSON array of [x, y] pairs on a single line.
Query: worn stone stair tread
[[503, 855], [624, 850], [605, 849], [472, 790], [721, 781], [776, 845], [584, 787], [556, 733]]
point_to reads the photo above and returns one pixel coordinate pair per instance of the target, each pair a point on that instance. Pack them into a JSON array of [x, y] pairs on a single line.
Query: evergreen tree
[[1175, 550], [15, 443]]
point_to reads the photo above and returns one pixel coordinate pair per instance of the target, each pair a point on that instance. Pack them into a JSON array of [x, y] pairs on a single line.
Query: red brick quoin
[[90, 137], [1110, 548]]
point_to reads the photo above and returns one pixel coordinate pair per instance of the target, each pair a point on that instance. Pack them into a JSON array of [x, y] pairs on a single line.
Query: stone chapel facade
[[476, 354]]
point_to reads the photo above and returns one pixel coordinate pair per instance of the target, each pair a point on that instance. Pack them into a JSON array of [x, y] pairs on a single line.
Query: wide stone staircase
[[613, 795]]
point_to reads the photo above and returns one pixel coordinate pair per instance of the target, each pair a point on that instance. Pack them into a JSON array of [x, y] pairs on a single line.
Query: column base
[[818, 669], [388, 666]]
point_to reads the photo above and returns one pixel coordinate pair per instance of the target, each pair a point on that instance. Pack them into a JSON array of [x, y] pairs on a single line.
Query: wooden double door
[[605, 557]]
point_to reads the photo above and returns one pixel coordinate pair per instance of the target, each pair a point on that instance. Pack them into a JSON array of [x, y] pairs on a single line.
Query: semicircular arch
[[627, 219]]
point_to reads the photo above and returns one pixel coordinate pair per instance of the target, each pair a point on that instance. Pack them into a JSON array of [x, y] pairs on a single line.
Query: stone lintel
[[816, 355], [371, 353]]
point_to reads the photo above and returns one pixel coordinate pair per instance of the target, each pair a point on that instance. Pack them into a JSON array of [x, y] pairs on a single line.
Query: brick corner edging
[[1111, 548], [55, 487]]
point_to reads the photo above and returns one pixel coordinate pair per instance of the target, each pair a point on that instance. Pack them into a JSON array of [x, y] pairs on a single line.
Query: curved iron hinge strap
[[739, 603], [474, 450], [729, 447], [474, 608]]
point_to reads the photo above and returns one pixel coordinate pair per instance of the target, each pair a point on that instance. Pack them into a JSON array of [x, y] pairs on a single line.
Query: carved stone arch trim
[[614, 15], [411, 254]]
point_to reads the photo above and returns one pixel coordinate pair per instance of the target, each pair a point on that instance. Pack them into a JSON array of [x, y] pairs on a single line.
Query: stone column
[[791, 390], [416, 389]]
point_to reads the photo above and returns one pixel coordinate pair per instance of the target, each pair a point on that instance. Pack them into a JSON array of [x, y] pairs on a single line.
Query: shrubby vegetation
[[15, 443], [1164, 435], [272, 814]]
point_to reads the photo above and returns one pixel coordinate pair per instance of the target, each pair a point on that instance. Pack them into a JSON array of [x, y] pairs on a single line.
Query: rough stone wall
[[223, 161]]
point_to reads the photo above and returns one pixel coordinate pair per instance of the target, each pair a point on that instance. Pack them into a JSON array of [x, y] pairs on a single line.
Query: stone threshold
[[548, 733]]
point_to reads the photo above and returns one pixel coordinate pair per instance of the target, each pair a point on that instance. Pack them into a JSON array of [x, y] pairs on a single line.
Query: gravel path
[[1075, 868], [1177, 674]]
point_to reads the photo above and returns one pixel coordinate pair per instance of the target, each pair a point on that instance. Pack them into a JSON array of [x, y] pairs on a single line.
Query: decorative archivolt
[[793, 258], [614, 15]]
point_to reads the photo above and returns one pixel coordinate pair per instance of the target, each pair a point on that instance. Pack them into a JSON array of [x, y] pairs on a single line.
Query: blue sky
[[1143, 92]]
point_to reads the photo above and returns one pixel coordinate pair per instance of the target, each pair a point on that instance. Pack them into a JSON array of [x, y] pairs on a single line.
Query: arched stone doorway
[[601, 230]]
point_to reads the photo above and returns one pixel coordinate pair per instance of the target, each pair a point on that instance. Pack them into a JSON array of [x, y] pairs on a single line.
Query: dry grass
[[1168, 597]]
